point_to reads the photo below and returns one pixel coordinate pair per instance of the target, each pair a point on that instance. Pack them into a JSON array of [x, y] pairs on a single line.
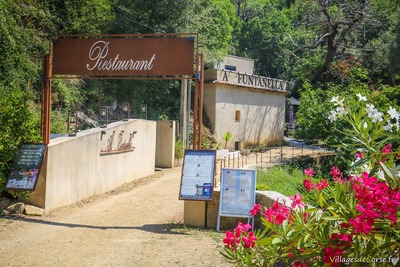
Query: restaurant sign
[[124, 56]]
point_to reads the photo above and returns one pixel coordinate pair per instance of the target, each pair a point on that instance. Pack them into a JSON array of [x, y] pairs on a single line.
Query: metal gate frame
[[198, 77]]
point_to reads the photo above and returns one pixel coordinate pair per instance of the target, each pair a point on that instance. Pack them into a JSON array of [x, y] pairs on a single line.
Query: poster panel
[[238, 191], [26, 165], [198, 175], [134, 56]]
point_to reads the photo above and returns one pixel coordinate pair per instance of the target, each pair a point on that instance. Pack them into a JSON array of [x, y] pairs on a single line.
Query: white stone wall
[[262, 114], [245, 65], [75, 167]]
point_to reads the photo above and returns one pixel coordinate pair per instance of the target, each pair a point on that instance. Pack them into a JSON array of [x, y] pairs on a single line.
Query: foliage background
[[301, 41]]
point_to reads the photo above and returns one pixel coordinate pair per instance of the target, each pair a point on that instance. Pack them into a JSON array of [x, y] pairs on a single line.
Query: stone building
[[250, 107]]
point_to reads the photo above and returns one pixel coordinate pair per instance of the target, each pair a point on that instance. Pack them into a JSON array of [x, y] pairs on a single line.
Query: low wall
[[94, 162]]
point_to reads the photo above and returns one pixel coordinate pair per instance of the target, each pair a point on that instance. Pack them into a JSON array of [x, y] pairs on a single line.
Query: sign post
[[197, 184]]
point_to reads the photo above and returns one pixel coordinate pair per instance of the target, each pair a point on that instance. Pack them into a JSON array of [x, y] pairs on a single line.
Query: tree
[[394, 49], [25, 27], [332, 25], [260, 36], [81, 17]]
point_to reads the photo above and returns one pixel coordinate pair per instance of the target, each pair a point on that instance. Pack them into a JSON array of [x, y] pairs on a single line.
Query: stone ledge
[[265, 198]]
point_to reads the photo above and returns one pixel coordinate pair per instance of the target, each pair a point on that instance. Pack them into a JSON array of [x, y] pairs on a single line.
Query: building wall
[[261, 108], [76, 168], [245, 65], [262, 116]]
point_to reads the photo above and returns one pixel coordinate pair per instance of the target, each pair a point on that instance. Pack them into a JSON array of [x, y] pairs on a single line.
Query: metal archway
[[132, 56]]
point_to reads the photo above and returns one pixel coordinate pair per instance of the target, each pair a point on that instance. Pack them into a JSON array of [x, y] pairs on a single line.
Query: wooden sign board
[[198, 175], [25, 168]]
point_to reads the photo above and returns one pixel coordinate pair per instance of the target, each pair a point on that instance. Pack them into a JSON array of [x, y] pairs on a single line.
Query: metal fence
[[267, 157]]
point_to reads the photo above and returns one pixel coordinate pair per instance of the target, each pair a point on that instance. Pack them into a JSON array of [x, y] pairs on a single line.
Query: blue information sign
[[197, 175]]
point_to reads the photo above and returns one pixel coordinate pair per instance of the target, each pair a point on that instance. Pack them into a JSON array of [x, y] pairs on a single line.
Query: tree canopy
[[316, 45]]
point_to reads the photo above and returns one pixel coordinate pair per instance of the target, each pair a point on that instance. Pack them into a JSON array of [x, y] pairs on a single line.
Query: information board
[[26, 165], [238, 191], [197, 175]]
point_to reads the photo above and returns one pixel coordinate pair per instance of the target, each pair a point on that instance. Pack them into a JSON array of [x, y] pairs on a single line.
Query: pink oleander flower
[[256, 209], [387, 149], [366, 180], [335, 172], [330, 254], [308, 184], [344, 225], [242, 228], [230, 240], [297, 201], [359, 155], [240, 234], [277, 213], [300, 264], [362, 225], [250, 240], [337, 175], [367, 211], [309, 172], [322, 184], [305, 215], [346, 238]]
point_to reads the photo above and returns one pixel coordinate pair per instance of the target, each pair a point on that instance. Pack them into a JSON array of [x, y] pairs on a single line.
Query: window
[[231, 68], [237, 115], [238, 145]]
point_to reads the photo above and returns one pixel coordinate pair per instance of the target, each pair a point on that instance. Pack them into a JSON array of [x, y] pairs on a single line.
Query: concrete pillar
[[165, 144], [194, 213]]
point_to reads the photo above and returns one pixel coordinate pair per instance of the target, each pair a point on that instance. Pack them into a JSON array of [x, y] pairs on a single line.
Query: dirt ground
[[139, 224]]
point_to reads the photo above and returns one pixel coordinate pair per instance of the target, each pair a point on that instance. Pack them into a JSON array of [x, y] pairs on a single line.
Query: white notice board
[[238, 192], [198, 175]]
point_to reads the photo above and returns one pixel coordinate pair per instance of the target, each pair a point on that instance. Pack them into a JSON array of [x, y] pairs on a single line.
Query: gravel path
[[138, 224]]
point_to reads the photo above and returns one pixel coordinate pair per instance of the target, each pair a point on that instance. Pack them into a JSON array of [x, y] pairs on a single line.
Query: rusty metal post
[[42, 100], [195, 118], [46, 99], [201, 100], [198, 103]]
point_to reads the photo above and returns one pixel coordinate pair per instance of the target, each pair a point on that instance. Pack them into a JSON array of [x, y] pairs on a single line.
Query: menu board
[[26, 165], [197, 175], [238, 187]]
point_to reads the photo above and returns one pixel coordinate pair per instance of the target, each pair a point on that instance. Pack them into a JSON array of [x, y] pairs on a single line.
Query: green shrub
[[179, 149]]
